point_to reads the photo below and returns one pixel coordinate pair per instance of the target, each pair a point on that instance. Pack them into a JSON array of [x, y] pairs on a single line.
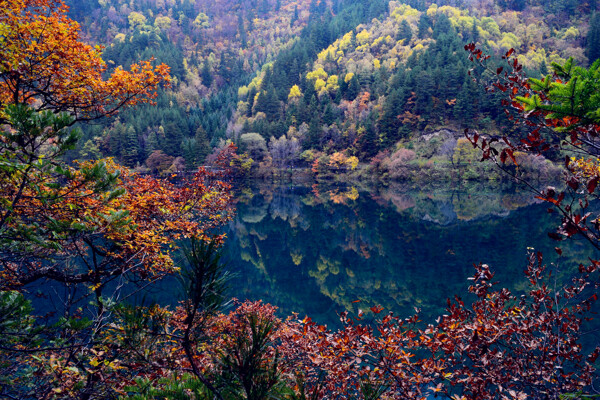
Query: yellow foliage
[[332, 83], [588, 168], [296, 258], [451, 12], [403, 11], [377, 42], [352, 194], [328, 52], [363, 37], [319, 84], [201, 21], [256, 83], [352, 163], [432, 10], [243, 91], [376, 63], [162, 23], [348, 77], [571, 33], [534, 58], [136, 19], [295, 92], [345, 42], [318, 74], [463, 22], [510, 41], [490, 26]]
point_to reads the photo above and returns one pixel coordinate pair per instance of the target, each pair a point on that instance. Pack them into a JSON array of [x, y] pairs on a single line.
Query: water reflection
[[318, 250]]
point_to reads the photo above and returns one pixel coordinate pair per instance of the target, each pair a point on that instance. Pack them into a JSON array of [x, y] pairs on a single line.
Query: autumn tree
[[558, 115], [46, 65], [84, 225]]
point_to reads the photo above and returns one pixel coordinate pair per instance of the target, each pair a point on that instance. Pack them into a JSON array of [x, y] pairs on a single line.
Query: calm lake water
[[321, 250]]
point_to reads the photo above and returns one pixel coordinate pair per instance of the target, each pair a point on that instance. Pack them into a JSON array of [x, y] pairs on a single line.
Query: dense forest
[[297, 83]]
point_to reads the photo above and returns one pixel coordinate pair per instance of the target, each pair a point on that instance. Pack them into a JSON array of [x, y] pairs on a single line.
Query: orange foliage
[[44, 64], [134, 231], [364, 101]]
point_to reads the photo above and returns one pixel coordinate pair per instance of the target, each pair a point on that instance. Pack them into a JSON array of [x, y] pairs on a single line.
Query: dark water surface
[[317, 250]]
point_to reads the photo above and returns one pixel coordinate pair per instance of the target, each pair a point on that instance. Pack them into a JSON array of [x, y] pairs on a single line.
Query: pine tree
[[314, 132], [242, 31], [173, 139], [389, 124], [404, 32], [130, 149], [201, 146], [475, 33], [424, 25], [206, 75], [367, 141], [353, 88], [151, 143], [593, 39]]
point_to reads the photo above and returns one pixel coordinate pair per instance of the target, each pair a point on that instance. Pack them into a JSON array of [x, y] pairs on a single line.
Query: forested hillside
[[292, 81]]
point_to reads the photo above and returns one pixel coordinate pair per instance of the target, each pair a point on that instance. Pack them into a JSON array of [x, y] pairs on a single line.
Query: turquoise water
[[321, 250]]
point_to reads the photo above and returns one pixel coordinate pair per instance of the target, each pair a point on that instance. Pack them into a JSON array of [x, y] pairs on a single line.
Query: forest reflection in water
[[321, 250]]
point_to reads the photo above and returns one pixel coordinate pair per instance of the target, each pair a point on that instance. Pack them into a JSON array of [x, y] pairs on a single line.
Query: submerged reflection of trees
[[395, 247]]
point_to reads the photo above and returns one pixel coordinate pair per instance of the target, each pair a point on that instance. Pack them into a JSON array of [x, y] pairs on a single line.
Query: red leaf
[[591, 186], [555, 236], [376, 309], [573, 183]]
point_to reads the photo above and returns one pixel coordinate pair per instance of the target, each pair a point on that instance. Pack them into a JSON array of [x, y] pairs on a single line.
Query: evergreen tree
[[464, 110], [443, 26], [367, 141], [353, 88], [242, 31], [130, 149], [250, 18], [389, 124], [151, 143], [475, 33], [314, 132], [328, 114], [173, 139], [206, 75], [201, 146], [404, 32], [424, 25], [187, 150], [593, 39]]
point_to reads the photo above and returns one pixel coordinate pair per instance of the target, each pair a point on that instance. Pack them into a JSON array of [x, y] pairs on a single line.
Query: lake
[[323, 249]]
